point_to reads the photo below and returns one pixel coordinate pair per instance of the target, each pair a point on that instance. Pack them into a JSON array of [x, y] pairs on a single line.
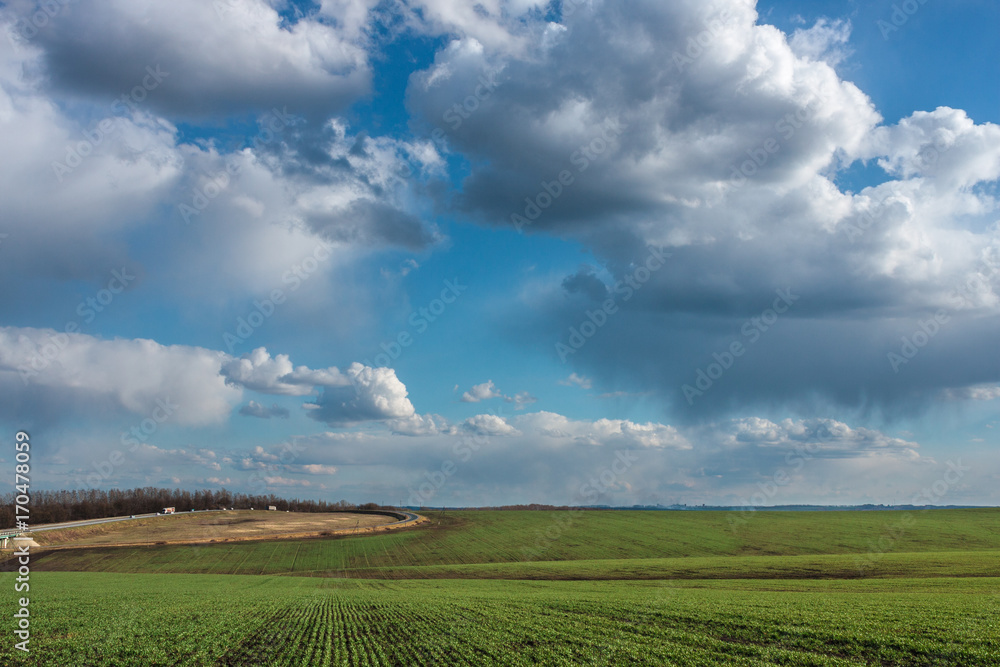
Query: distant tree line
[[532, 506], [58, 506]]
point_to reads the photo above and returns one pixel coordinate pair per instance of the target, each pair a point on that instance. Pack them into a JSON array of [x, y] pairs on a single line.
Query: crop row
[[97, 619]]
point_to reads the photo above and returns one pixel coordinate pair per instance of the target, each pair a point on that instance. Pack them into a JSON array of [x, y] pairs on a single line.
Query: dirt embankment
[[222, 527]]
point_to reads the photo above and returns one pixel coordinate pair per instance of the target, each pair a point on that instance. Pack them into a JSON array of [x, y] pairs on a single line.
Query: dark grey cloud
[[219, 57], [586, 283], [799, 360], [375, 223], [611, 130], [255, 409]]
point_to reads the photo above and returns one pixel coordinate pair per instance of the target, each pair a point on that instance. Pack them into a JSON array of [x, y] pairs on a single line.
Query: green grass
[[871, 539], [272, 560], [120, 619], [540, 588], [838, 566]]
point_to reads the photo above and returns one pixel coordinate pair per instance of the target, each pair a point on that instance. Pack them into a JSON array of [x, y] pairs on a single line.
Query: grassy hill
[[869, 543]]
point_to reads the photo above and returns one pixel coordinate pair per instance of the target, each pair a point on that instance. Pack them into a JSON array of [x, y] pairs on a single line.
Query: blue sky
[[751, 228]]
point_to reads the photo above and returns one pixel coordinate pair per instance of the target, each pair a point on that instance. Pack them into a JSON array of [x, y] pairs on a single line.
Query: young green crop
[[619, 588], [471, 537], [97, 619]]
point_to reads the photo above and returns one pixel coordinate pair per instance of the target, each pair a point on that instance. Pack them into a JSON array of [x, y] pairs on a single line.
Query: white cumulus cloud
[[374, 394]]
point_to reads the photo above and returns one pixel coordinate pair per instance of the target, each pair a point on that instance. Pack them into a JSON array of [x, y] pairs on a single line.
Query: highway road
[[410, 518], [92, 522]]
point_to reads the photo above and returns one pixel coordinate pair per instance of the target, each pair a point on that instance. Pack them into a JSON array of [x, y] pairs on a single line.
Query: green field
[[483, 588], [868, 540], [100, 619]]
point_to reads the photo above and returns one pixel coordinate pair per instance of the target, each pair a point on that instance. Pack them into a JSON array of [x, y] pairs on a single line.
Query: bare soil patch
[[201, 527]]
